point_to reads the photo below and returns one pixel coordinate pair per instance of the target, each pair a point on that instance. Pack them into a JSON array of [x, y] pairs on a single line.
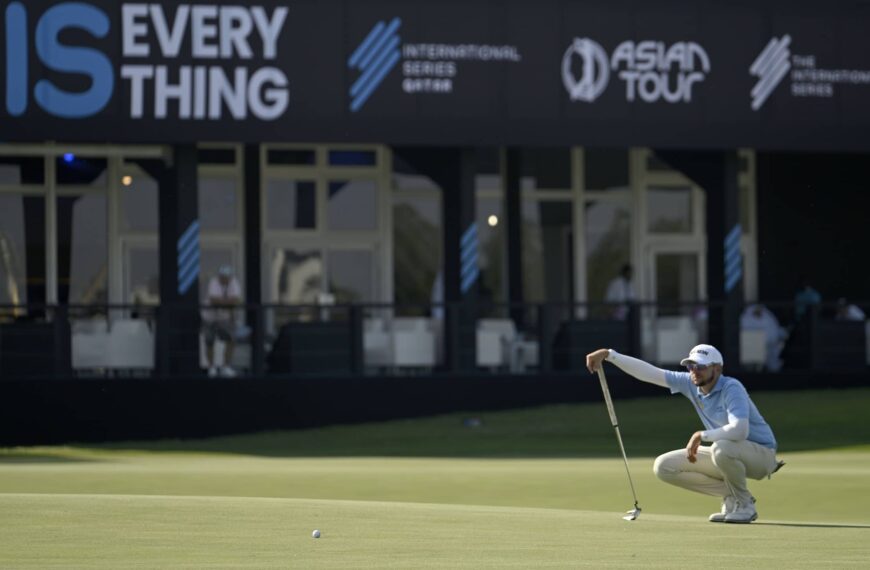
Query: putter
[[635, 512]]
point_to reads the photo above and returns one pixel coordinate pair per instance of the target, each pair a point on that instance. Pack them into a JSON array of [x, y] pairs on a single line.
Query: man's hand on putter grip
[[692, 447], [595, 359]]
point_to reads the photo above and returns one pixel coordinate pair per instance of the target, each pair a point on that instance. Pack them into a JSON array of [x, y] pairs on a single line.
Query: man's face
[[702, 375], [224, 279]]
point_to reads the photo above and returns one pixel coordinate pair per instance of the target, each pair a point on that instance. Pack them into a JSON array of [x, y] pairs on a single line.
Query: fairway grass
[[239, 502]]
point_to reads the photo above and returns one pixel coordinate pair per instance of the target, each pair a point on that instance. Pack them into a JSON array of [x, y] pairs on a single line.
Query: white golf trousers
[[721, 469]]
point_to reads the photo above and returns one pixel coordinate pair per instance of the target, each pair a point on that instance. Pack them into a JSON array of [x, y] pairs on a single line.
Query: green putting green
[[544, 487]]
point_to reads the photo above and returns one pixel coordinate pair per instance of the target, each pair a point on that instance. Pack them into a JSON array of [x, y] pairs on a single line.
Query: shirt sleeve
[[737, 429], [679, 382], [638, 368]]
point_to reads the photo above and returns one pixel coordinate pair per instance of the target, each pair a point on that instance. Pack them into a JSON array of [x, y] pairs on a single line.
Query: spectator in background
[[759, 317], [224, 293], [805, 297], [848, 312], [620, 292]]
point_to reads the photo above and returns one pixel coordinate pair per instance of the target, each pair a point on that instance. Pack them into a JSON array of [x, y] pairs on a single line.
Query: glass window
[[350, 275], [143, 286], [352, 158], [417, 247], [296, 276], [216, 155], [22, 249], [406, 177], [218, 204], [290, 205], [139, 204], [676, 282], [606, 169], [608, 245], [656, 164], [295, 157], [82, 249], [77, 171], [15, 170], [547, 250], [353, 205], [491, 234], [669, 209], [545, 168]]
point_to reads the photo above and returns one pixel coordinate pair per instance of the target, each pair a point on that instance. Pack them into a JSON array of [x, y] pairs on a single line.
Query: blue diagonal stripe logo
[[374, 58]]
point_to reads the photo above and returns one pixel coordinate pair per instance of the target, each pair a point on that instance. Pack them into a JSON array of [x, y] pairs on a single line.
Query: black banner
[[676, 74]]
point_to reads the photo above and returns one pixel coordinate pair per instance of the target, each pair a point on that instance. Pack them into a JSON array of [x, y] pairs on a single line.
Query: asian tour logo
[[596, 70], [375, 57], [652, 70]]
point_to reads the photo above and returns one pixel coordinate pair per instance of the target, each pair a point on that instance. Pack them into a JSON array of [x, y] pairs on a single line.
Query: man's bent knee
[[665, 466]]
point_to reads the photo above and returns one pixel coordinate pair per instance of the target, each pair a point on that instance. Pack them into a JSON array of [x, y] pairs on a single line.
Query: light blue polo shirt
[[727, 400]]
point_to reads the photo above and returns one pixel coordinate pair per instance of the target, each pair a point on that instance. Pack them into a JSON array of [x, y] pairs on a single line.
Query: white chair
[[413, 342], [499, 344], [90, 350], [674, 337], [376, 343], [753, 348], [131, 344]]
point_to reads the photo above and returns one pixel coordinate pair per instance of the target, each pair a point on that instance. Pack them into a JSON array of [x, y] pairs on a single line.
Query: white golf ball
[[315, 534]]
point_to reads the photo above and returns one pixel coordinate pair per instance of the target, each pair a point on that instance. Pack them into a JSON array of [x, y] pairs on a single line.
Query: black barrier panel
[[675, 74]]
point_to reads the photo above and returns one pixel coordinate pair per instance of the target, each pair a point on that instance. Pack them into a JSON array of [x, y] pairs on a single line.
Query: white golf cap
[[225, 270], [703, 354]]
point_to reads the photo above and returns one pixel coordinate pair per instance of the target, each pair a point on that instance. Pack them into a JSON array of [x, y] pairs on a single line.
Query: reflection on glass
[[676, 282], [491, 233], [352, 158], [417, 243], [139, 204], [547, 251], [143, 286], [82, 249], [606, 169], [350, 276], [669, 209], [290, 205], [22, 248], [545, 168], [300, 156], [296, 276], [81, 171], [406, 177], [353, 205], [15, 170], [218, 208], [608, 232]]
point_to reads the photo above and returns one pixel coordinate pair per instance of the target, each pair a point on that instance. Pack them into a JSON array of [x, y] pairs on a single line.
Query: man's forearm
[[638, 368]]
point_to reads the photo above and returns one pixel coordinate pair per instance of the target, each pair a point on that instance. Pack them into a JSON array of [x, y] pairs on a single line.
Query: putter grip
[[607, 399]]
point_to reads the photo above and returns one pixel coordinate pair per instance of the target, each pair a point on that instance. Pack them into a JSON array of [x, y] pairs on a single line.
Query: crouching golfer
[[743, 443]]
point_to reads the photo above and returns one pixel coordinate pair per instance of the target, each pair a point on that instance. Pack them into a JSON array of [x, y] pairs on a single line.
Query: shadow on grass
[[815, 525], [26, 458]]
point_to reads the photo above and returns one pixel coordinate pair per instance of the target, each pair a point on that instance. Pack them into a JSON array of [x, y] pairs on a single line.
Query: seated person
[[758, 317]]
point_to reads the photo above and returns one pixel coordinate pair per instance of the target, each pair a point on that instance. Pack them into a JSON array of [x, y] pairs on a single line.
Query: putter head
[[632, 514]]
